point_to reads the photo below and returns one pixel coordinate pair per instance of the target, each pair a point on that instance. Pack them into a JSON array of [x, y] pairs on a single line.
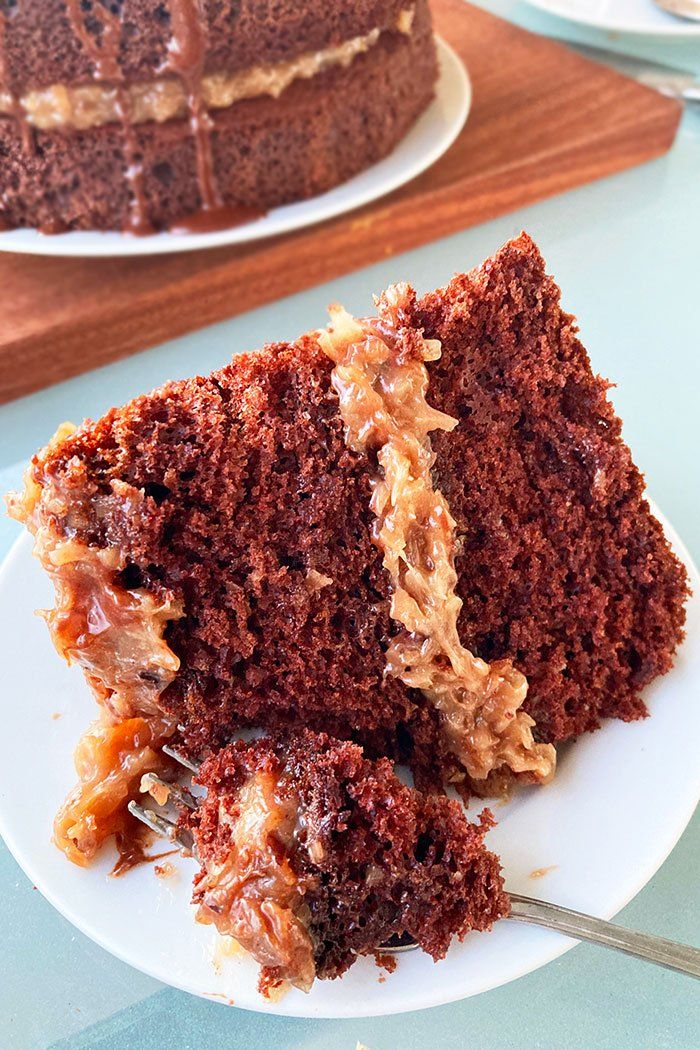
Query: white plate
[[430, 137], [621, 799], [641, 17]]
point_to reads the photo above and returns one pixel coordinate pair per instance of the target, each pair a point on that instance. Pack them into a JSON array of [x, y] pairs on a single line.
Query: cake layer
[[264, 151], [563, 569], [90, 105], [45, 45], [236, 499]]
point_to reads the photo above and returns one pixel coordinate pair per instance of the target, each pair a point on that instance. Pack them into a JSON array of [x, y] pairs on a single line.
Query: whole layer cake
[[421, 531], [144, 114], [312, 856]]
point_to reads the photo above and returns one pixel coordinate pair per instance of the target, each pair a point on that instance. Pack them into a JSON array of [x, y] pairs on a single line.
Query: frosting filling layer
[[84, 106], [381, 380]]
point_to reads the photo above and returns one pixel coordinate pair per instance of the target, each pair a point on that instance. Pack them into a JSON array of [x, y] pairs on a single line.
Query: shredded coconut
[[381, 380]]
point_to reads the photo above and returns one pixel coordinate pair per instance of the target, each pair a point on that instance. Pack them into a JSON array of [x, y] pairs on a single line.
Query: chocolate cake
[[312, 856], [383, 531], [145, 114]]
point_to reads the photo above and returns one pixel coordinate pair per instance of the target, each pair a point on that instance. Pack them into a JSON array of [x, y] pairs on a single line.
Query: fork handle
[[658, 950]]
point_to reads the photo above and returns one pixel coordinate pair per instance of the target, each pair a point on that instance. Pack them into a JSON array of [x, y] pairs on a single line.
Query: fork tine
[[179, 757], [177, 791], [161, 825], [398, 943]]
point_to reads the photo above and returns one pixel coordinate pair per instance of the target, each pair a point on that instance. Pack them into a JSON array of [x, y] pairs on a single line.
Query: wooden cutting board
[[543, 120]]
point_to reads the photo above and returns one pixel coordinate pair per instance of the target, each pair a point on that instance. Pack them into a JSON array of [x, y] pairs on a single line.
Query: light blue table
[[626, 252]]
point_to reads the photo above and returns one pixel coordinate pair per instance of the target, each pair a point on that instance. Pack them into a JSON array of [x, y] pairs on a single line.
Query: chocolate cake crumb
[[563, 568], [385, 962]]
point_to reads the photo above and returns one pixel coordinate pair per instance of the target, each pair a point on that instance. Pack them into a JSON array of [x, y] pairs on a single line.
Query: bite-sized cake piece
[[143, 114], [312, 855], [377, 532]]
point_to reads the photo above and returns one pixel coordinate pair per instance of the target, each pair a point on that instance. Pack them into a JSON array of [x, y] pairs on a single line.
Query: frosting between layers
[[84, 106], [381, 381]]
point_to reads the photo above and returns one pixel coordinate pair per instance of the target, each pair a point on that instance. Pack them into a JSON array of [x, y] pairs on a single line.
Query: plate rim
[[453, 74], [556, 9], [551, 948]]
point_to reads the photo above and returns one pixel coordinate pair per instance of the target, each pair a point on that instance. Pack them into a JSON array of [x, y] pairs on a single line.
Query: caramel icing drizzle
[[115, 634], [104, 55], [110, 760], [186, 53], [381, 379]]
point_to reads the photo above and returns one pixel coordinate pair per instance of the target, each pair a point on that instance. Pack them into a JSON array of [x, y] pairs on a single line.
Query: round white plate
[[620, 800], [641, 17], [430, 137]]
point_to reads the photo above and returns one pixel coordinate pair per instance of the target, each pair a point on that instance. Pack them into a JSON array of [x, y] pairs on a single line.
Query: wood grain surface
[[543, 120]]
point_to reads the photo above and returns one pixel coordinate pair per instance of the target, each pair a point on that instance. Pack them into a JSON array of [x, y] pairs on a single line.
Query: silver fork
[[681, 8], [670, 954]]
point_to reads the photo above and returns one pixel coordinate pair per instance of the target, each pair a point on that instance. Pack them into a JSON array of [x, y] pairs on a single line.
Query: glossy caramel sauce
[[186, 53], [116, 636], [132, 844], [251, 892], [382, 381], [209, 220], [110, 760]]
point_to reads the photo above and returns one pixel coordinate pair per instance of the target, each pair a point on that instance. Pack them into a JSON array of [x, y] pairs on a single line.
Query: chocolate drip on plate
[[104, 55], [211, 220]]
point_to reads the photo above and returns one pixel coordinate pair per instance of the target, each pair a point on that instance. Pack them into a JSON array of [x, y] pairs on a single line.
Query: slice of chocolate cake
[[376, 531], [145, 114], [312, 856]]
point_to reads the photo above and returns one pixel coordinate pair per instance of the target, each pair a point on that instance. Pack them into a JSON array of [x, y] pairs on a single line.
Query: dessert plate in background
[[428, 139], [641, 17], [599, 831]]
